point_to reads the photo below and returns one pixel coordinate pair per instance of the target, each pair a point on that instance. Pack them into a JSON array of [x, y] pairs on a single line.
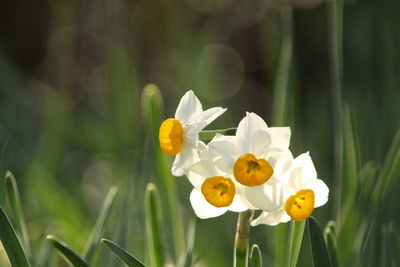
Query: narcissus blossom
[[215, 192], [293, 195], [253, 156], [231, 164], [179, 136]]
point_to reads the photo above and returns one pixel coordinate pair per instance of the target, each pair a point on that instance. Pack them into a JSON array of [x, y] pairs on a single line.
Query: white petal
[[184, 160], [280, 137], [247, 126], [191, 135], [209, 116], [305, 162], [200, 171], [202, 208], [223, 151], [321, 191], [239, 204], [271, 218], [260, 143], [268, 197], [280, 160], [189, 109]]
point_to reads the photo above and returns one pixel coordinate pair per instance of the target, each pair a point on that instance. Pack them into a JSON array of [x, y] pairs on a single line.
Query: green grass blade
[[296, 232], [318, 246], [67, 253], [209, 134], [283, 69], [255, 259], [330, 239], [45, 256], [11, 244], [14, 200], [188, 262], [95, 237], [122, 254], [390, 170], [153, 225], [152, 108]]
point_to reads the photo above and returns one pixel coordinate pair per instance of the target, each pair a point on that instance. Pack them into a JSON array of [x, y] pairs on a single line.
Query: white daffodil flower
[[179, 136], [231, 164], [214, 191], [255, 154], [294, 194]]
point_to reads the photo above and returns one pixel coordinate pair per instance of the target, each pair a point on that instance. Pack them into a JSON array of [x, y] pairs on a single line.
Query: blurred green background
[[72, 125]]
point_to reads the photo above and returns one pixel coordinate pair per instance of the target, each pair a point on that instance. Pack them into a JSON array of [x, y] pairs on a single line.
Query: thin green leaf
[[3, 164], [153, 225], [255, 259], [330, 239], [318, 246], [390, 169], [152, 107], [95, 237], [295, 239], [351, 153], [190, 243], [67, 253], [14, 200], [45, 256], [122, 254], [209, 134], [283, 69], [11, 244]]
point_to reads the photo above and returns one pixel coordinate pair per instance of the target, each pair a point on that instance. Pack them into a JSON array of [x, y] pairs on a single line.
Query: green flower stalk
[[241, 250]]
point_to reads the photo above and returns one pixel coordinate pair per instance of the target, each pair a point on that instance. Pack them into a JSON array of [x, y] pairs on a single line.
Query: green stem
[[241, 252], [282, 75], [289, 244], [295, 239], [335, 12], [279, 107], [209, 134]]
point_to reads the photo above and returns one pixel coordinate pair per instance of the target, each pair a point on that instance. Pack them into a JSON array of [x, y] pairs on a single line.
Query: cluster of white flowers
[[252, 170]]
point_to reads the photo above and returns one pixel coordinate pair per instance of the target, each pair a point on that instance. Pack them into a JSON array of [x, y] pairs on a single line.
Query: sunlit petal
[[189, 109], [202, 208]]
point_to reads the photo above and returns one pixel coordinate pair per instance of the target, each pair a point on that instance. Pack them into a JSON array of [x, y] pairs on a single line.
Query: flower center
[[171, 136], [248, 170], [218, 191], [301, 205]]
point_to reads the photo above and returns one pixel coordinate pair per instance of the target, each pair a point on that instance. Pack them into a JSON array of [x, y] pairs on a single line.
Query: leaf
[[351, 153], [11, 244], [122, 254], [318, 246], [152, 110], [153, 222], [14, 200], [389, 173], [95, 237], [190, 242], [67, 253], [295, 239], [330, 239], [209, 134], [255, 259]]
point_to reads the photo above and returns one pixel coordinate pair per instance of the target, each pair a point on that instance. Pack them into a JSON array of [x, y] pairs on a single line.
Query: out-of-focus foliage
[[71, 124]]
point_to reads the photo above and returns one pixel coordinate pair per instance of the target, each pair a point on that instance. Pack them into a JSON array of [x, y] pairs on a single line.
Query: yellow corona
[[301, 205], [171, 136], [250, 171], [218, 191]]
